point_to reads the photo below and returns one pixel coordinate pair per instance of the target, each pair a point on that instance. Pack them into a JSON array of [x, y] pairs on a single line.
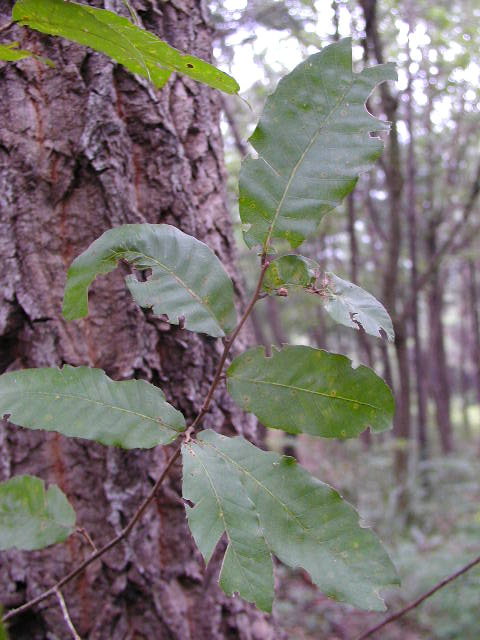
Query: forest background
[[410, 234]]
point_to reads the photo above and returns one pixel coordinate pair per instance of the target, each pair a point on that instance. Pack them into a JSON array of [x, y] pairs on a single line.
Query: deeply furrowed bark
[[84, 147]]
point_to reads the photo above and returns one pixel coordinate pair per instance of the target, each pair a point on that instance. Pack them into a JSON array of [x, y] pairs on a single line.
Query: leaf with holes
[[267, 504], [187, 282], [32, 518], [85, 403], [305, 390], [313, 140], [351, 306], [290, 271], [138, 50]]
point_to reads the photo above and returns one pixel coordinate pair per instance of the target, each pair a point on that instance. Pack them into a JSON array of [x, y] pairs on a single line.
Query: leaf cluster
[[312, 141]]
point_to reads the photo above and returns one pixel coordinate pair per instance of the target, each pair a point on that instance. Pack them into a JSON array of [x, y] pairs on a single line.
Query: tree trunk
[[365, 351], [84, 147], [392, 166], [466, 366], [275, 321], [402, 419], [439, 379], [475, 315], [413, 228], [437, 359]]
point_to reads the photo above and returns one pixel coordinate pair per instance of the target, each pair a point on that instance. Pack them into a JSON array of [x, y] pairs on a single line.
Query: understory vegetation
[[441, 535]]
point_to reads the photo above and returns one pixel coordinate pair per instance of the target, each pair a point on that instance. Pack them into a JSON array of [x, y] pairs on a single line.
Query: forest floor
[[440, 534]]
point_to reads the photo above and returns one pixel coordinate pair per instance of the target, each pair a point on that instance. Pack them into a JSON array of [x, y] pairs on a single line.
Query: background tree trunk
[[474, 307], [412, 233], [84, 147], [439, 379]]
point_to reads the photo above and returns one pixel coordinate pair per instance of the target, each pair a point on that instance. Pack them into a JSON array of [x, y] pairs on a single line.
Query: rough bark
[[85, 147]]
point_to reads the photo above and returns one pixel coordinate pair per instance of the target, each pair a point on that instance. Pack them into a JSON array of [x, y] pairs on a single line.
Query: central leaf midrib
[[303, 390], [226, 529], [301, 159], [128, 31], [121, 31], [53, 394], [284, 506]]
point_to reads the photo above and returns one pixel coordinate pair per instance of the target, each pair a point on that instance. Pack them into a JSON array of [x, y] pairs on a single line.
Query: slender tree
[[475, 319], [394, 182], [413, 231]]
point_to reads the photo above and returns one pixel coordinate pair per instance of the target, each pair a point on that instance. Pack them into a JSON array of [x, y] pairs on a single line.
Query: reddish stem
[[422, 598]]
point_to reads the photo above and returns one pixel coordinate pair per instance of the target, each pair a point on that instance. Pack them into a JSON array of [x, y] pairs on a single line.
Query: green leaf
[[351, 306], [32, 518], [11, 53], [313, 140], [347, 303], [3, 630], [267, 504], [223, 505], [136, 49], [305, 390], [187, 280], [85, 403], [290, 271]]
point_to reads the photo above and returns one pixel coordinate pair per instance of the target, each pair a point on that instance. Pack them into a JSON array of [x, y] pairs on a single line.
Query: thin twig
[[66, 615], [114, 541], [6, 27], [133, 13], [228, 343], [421, 599], [242, 146], [84, 533]]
